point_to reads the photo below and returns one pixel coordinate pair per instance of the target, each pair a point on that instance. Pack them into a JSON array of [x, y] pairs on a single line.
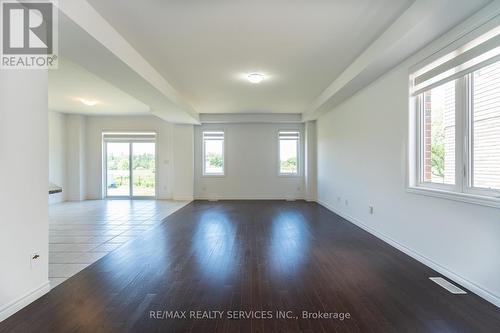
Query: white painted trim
[[183, 199], [130, 139], [215, 197], [16, 305], [461, 190], [456, 196], [224, 154], [478, 290], [300, 147]]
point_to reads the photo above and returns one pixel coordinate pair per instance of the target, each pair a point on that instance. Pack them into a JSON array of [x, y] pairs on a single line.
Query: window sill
[[285, 175], [213, 176], [462, 197]]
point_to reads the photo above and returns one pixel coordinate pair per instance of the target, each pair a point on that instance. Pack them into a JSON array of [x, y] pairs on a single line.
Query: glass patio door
[[118, 169], [130, 169], [143, 169]]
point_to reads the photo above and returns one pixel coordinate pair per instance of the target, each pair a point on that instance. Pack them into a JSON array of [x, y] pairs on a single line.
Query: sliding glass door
[[130, 169], [118, 169], [143, 169]]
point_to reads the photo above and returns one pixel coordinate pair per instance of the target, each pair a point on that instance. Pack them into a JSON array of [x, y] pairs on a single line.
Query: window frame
[[203, 170], [462, 190], [299, 145], [469, 143], [419, 106], [129, 137]]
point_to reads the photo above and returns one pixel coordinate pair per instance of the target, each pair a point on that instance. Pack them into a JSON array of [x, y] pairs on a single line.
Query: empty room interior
[[250, 166]]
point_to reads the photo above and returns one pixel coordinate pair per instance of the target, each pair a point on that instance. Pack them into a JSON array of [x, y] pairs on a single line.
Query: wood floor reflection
[[261, 256]]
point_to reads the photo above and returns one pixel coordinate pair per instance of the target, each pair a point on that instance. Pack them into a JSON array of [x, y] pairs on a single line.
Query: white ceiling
[[70, 82], [204, 48]]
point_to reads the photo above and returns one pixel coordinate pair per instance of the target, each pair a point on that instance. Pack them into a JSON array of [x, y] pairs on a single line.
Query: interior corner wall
[[23, 197], [311, 188], [183, 162], [362, 162], [75, 157], [57, 154], [251, 163]]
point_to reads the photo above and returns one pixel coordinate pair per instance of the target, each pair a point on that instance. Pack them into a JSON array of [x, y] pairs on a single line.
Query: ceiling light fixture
[[255, 78], [88, 102]]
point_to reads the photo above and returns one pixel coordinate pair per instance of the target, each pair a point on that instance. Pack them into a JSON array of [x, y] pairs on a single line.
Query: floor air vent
[[448, 285]]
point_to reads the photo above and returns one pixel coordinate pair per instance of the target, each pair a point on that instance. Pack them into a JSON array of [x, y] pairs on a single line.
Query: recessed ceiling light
[[255, 77], [88, 102]]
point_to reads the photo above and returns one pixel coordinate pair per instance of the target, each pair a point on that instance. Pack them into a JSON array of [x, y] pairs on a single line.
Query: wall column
[[75, 157], [24, 171], [310, 161]]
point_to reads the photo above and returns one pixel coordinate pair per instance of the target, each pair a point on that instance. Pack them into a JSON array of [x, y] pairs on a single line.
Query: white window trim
[[203, 171], [418, 104], [455, 196], [129, 137], [468, 151], [299, 155], [462, 190]]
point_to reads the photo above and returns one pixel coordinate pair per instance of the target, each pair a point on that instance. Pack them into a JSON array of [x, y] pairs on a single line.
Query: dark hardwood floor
[[255, 255]]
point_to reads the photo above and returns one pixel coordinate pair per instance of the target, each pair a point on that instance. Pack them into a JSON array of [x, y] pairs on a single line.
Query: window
[[213, 153], [438, 134], [129, 164], [289, 152], [485, 128], [457, 122]]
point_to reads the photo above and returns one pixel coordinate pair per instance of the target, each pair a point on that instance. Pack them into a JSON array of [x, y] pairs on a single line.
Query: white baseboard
[[246, 198], [16, 305], [182, 198], [476, 289]]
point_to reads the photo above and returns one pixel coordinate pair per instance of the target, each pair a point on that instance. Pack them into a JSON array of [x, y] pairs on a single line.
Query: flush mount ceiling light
[[88, 102], [255, 78]]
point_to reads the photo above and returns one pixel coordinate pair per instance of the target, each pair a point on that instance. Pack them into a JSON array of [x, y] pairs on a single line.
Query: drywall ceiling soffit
[[89, 41], [417, 26]]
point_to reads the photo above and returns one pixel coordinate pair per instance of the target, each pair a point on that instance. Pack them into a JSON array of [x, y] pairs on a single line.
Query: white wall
[[251, 162], [24, 188], [362, 159], [311, 159], [57, 154], [75, 157], [183, 162], [165, 147]]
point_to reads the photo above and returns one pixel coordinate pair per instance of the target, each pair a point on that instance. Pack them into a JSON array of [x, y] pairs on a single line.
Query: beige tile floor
[[81, 233]]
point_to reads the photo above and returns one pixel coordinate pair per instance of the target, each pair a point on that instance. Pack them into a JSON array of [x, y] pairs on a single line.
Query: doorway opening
[[129, 168]]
